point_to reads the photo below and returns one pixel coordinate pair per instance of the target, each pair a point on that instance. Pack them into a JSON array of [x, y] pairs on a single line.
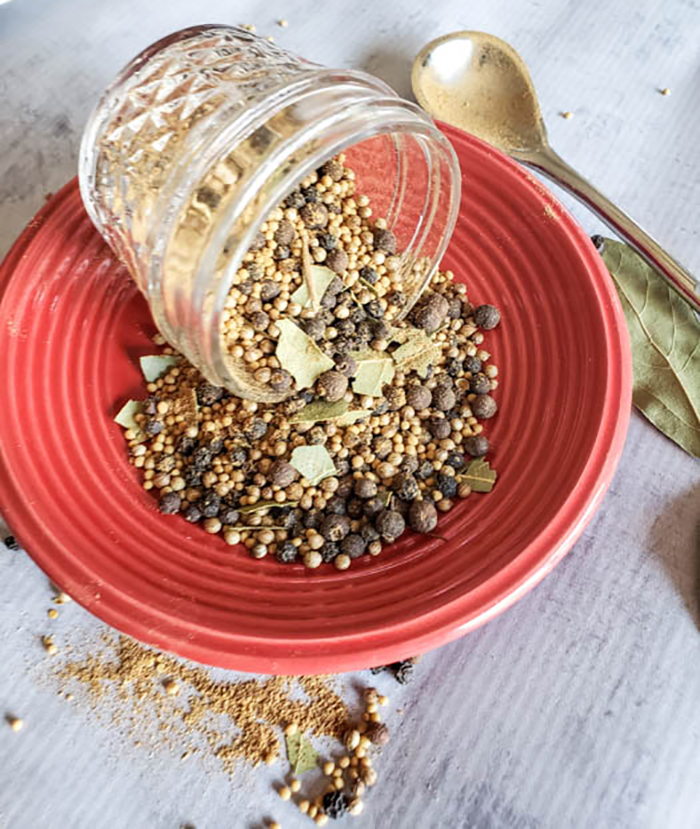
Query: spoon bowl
[[479, 83]]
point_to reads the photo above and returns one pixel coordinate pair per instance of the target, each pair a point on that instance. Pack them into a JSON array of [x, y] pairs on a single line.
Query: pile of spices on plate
[[233, 721], [381, 428]]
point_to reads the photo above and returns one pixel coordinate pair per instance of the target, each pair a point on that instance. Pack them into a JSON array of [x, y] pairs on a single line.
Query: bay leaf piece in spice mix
[[154, 366], [300, 356], [374, 369], [313, 463], [665, 339], [479, 476], [321, 278]]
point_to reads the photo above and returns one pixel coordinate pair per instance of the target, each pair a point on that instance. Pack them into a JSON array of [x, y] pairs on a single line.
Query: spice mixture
[[238, 720], [380, 427]]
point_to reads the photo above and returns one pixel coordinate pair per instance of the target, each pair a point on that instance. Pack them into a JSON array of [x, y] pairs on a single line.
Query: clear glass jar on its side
[[206, 131]]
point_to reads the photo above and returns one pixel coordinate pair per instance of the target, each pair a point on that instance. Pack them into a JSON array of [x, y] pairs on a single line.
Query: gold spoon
[[480, 84]]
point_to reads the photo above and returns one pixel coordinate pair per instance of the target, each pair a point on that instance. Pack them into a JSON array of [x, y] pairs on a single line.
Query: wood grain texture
[[579, 706]]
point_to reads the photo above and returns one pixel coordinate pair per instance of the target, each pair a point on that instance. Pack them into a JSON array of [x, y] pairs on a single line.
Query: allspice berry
[[332, 385], [484, 407], [419, 397], [476, 446], [422, 517], [444, 398], [337, 260], [284, 235], [480, 384], [378, 733], [487, 317], [282, 474], [390, 524], [314, 214], [385, 240]]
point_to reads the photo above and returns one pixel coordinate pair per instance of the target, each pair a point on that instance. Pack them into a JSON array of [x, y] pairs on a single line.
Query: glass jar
[[206, 131]]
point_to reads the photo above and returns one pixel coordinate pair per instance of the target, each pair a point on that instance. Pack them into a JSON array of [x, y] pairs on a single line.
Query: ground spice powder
[[156, 696]]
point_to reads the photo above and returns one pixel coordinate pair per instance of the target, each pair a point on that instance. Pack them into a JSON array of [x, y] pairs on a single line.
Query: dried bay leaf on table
[[154, 366], [313, 463], [300, 355], [301, 754], [321, 278], [479, 476], [374, 369], [665, 339]]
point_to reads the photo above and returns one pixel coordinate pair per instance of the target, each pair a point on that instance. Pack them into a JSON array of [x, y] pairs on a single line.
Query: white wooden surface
[[580, 707]]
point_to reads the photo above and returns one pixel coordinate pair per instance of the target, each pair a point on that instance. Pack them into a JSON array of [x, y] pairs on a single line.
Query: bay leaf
[[416, 353], [374, 369], [261, 505], [301, 754], [321, 278], [320, 410], [479, 476], [352, 417], [126, 417], [313, 463], [154, 366], [665, 338], [300, 355]]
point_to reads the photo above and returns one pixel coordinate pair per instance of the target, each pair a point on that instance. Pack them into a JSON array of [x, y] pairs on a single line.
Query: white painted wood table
[[579, 707]]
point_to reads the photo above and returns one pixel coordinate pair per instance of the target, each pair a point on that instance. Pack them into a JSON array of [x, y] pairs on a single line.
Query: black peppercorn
[[409, 464], [209, 504], [346, 365], [353, 545], [208, 394], [374, 309], [238, 456], [269, 290], [355, 508], [396, 298], [11, 542], [312, 519], [333, 168], [373, 507], [329, 551], [487, 317], [368, 275], [472, 365], [260, 320], [369, 532], [310, 194], [254, 428], [484, 407], [477, 446], [335, 527], [295, 199], [314, 328], [169, 503], [281, 252], [201, 458], [345, 485], [335, 804], [153, 427], [479, 384], [424, 471], [422, 517], [454, 367], [447, 485], [327, 241], [385, 240], [258, 242], [455, 460], [336, 506], [228, 514], [286, 553], [192, 514], [403, 671], [405, 486], [280, 380]]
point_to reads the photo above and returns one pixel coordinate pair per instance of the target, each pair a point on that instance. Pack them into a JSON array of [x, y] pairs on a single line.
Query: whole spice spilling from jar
[[381, 428]]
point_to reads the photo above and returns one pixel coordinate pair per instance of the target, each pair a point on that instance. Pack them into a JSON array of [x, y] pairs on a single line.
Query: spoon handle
[[546, 161]]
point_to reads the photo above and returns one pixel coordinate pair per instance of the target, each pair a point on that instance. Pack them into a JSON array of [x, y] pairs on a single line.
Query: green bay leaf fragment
[[299, 355], [126, 415], [293, 741], [306, 758], [479, 476], [321, 278], [154, 366], [352, 417], [665, 338], [313, 463], [374, 369], [320, 410], [416, 353]]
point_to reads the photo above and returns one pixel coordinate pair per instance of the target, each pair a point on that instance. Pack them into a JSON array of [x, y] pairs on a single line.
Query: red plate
[[72, 326]]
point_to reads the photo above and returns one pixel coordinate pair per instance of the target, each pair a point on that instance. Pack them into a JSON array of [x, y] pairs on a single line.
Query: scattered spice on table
[[11, 542], [134, 687], [15, 723]]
